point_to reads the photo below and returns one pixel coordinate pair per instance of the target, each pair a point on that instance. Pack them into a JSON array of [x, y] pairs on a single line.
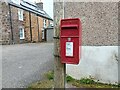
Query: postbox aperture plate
[[69, 49]]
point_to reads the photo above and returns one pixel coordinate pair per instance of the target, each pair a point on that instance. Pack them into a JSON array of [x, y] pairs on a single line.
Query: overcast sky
[[47, 6]]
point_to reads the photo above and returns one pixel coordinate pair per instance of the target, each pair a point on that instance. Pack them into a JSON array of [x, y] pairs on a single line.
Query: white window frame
[[44, 23], [20, 14], [23, 32], [43, 34]]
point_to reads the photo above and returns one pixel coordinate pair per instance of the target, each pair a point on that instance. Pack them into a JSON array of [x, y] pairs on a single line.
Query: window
[[20, 14], [43, 34], [44, 23], [21, 29]]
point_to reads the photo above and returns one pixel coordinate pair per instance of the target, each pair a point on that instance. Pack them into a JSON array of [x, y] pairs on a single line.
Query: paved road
[[25, 63]]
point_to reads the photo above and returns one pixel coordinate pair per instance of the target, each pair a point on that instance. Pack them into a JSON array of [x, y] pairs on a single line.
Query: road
[[23, 64]]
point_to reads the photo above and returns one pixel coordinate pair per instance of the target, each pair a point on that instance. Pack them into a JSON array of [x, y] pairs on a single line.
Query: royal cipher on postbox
[[70, 40]]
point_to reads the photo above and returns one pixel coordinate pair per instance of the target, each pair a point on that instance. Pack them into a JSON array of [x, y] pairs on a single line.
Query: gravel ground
[[23, 64]]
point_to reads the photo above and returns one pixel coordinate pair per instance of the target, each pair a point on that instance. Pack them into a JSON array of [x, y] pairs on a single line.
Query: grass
[[88, 83], [50, 75], [48, 84], [82, 83]]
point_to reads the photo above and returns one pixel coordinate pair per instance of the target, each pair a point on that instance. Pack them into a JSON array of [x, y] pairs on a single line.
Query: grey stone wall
[[5, 23], [0, 23], [99, 21], [119, 23]]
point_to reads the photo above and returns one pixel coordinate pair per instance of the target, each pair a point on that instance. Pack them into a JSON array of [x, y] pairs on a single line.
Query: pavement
[[23, 64]]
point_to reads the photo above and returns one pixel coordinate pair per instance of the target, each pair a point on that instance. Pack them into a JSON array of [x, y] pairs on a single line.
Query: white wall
[[99, 62], [0, 67]]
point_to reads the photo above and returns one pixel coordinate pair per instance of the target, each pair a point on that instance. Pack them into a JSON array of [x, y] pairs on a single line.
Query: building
[[49, 33], [23, 22]]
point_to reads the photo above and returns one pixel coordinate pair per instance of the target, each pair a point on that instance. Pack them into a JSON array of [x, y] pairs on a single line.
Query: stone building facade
[[6, 32], [22, 23]]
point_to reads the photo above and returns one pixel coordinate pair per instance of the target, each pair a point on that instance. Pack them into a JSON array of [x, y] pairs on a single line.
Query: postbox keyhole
[[69, 39]]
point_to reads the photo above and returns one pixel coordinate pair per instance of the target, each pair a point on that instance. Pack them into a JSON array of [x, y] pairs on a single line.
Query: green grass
[[69, 79], [48, 84], [86, 81], [50, 75], [82, 83]]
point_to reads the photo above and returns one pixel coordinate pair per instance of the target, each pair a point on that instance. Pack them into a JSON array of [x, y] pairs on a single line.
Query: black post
[[38, 29], [30, 26], [11, 25]]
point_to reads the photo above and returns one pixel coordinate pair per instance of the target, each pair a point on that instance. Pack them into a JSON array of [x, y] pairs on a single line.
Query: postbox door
[[70, 50]]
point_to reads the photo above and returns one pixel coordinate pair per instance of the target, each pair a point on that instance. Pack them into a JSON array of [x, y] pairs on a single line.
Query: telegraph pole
[[59, 68]]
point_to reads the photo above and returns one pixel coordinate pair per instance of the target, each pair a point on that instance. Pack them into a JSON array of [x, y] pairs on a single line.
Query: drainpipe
[[30, 26], [11, 24], [38, 29]]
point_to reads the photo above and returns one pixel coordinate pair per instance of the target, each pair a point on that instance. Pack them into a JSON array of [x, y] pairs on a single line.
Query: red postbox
[[70, 40]]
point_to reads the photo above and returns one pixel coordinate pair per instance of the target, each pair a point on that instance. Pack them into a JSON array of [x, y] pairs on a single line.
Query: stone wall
[[5, 20], [0, 23], [40, 21], [34, 26], [99, 21], [27, 27]]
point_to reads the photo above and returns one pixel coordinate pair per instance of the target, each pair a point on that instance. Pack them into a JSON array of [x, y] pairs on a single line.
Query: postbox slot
[[70, 36], [65, 27]]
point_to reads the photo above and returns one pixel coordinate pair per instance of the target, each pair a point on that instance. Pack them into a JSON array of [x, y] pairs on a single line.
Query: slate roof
[[28, 6]]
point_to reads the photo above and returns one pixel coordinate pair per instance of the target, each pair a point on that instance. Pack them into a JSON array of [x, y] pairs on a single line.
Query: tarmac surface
[[23, 64]]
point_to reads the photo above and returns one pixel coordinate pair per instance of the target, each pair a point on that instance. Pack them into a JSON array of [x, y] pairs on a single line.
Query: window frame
[[23, 33], [44, 23], [20, 14], [43, 34]]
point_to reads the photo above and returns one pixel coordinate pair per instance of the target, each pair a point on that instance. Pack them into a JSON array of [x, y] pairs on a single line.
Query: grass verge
[[82, 83]]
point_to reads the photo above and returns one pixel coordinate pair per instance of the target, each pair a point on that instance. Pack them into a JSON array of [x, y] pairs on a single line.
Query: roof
[[31, 7]]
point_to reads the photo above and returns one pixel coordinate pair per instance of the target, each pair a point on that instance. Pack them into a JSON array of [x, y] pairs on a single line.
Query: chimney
[[39, 4]]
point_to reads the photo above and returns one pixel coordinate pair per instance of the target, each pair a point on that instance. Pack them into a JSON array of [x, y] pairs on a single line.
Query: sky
[[47, 6]]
